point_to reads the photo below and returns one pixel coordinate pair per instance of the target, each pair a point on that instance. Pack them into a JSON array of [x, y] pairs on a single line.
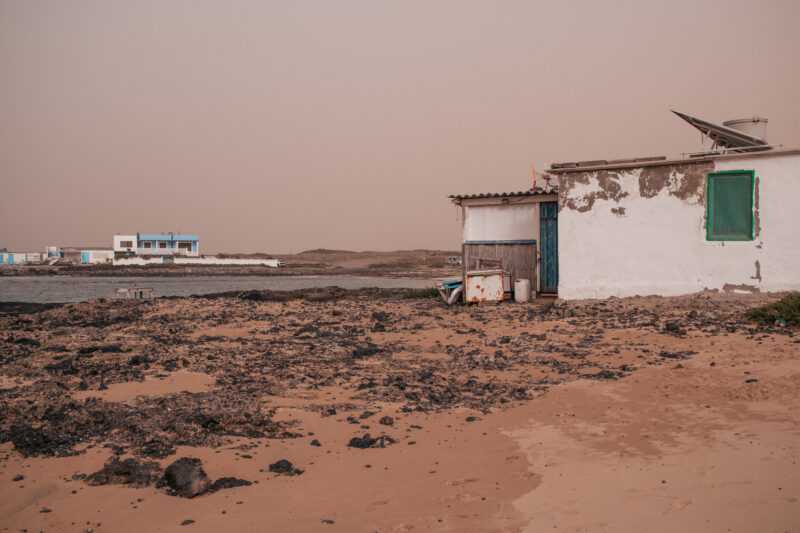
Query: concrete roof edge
[[684, 161]]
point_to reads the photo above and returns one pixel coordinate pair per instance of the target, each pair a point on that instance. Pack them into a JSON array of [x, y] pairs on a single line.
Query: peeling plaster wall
[[642, 231], [501, 222]]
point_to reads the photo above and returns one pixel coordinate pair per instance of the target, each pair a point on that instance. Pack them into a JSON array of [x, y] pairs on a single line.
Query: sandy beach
[[638, 414]]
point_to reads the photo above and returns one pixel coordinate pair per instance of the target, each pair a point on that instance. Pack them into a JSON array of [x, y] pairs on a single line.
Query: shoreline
[[216, 270], [401, 263]]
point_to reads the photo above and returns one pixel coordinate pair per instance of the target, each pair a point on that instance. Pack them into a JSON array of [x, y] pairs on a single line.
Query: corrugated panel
[[530, 192]]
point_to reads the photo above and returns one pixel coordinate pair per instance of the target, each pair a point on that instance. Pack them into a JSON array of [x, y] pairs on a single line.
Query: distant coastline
[[321, 262]]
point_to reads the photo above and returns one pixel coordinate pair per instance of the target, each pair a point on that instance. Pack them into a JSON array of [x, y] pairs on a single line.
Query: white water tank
[[753, 126], [522, 290]]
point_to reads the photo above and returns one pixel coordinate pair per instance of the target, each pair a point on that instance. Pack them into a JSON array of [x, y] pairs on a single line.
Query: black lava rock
[[674, 328], [31, 442], [285, 468], [126, 472], [604, 374], [677, 355], [365, 350], [186, 478], [370, 442], [24, 341], [157, 448], [228, 483]]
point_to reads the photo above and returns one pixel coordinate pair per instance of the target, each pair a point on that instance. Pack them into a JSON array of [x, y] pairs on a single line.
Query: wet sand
[[643, 414]]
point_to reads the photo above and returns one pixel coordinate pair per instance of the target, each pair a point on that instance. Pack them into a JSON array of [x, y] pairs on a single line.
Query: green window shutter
[[729, 208]]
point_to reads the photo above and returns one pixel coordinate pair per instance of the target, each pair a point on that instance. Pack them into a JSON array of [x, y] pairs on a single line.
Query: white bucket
[[522, 290]]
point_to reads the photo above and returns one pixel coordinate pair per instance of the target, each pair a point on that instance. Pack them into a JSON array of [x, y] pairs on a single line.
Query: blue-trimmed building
[[162, 244]]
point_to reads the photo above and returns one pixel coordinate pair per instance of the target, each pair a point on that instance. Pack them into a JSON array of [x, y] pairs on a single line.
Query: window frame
[[710, 206]]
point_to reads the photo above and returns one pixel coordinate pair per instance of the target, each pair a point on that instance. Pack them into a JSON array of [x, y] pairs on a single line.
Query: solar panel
[[723, 136]]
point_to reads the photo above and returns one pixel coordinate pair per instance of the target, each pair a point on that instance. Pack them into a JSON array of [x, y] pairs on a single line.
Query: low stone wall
[[275, 263], [143, 261]]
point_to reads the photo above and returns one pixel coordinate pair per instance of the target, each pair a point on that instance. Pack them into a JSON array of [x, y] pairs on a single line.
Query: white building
[[156, 244], [668, 227], [152, 249], [20, 258], [97, 256], [125, 244], [514, 231], [719, 220]]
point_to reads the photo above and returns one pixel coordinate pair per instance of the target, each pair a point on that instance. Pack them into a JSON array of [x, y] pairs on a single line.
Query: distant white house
[[97, 256], [144, 249], [156, 244], [20, 258]]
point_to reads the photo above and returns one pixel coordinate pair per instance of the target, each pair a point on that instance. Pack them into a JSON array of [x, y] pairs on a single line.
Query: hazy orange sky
[[283, 126]]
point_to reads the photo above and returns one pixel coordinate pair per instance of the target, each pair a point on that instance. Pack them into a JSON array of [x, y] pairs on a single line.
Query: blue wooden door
[[548, 241]]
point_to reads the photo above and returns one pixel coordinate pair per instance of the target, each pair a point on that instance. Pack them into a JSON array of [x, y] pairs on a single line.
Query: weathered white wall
[[137, 261], [141, 261], [658, 245], [501, 222], [100, 256]]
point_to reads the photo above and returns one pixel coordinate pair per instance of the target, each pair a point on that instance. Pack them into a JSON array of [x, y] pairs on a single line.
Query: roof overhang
[[504, 197]]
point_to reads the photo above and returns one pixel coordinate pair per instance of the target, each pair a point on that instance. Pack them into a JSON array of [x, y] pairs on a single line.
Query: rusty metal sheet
[[484, 286]]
